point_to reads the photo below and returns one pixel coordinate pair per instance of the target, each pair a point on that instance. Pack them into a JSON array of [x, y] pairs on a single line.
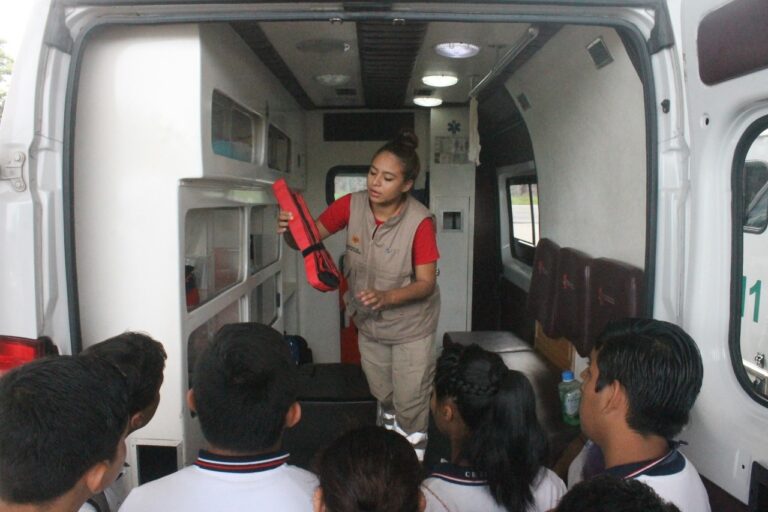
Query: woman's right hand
[[283, 219]]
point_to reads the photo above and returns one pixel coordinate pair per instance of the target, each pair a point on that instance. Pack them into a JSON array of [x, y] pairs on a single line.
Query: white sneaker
[[385, 418]]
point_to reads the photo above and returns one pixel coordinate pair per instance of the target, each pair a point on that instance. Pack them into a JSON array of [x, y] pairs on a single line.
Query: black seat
[[334, 398]]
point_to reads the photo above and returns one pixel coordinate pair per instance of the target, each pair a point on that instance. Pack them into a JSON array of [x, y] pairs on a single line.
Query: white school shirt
[[228, 484], [452, 488], [675, 479]]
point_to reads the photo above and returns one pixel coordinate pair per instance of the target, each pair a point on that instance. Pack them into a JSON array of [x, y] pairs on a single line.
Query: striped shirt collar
[[671, 463], [240, 463], [461, 475]]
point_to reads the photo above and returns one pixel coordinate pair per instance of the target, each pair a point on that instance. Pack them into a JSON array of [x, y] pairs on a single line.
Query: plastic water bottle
[[570, 397]]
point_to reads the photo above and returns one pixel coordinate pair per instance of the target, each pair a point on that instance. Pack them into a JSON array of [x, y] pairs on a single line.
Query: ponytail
[[506, 441], [404, 148]]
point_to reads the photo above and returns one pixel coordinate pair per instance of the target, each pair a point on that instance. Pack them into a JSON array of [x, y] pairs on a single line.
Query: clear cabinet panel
[[264, 244], [264, 301], [232, 128], [278, 150], [212, 252], [202, 337]]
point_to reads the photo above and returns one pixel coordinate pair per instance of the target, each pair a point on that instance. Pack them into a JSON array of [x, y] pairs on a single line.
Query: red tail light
[[17, 351]]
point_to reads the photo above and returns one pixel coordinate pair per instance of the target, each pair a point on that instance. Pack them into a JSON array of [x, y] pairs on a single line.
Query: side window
[[749, 322], [345, 179], [755, 195], [523, 208]]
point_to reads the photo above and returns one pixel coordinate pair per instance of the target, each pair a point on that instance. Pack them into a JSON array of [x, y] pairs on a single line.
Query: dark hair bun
[[407, 138]]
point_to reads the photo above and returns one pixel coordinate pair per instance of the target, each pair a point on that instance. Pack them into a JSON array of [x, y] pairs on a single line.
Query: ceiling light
[[332, 79], [439, 80], [427, 101], [457, 50]]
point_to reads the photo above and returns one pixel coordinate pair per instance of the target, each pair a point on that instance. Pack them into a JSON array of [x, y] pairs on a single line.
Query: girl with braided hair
[[497, 444]]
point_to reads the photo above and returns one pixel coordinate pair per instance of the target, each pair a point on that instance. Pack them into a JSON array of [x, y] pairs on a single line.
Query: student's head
[[395, 167], [63, 423], [491, 411], [370, 468], [607, 493], [244, 389], [645, 372], [142, 360]]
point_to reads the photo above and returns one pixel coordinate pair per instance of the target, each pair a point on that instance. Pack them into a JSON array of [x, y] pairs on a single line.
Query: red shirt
[[424, 250]]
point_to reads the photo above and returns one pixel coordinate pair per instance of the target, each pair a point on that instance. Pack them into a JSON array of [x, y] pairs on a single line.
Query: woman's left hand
[[374, 299]]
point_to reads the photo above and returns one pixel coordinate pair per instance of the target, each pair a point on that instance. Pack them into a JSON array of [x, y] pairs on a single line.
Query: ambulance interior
[[180, 129]]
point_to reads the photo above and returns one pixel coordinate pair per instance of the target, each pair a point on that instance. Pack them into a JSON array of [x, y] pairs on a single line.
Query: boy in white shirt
[[636, 395], [244, 393]]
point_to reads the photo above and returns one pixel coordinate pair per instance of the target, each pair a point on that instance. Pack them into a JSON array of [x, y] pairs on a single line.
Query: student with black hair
[[498, 447], [606, 493], [244, 394], [370, 468], [63, 423], [142, 360], [393, 298], [637, 393]]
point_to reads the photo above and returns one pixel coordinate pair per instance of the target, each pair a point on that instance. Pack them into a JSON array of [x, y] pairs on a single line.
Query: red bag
[[322, 273]]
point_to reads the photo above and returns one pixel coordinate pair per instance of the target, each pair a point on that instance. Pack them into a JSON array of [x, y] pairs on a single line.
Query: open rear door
[[726, 55], [33, 292]]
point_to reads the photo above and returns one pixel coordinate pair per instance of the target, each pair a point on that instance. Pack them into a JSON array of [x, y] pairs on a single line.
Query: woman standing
[[391, 266]]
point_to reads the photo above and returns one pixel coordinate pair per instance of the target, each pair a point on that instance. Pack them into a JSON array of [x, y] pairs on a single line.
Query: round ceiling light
[[440, 80], [332, 79], [427, 101], [457, 50]]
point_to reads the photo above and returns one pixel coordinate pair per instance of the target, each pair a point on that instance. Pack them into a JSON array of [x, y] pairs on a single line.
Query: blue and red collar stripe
[[458, 474], [240, 464]]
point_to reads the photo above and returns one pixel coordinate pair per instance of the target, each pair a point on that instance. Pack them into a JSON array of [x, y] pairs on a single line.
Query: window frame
[[521, 249], [738, 210], [330, 177], [514, 270]]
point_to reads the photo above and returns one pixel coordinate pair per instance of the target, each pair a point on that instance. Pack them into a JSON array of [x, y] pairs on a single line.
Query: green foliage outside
[[6, 67]]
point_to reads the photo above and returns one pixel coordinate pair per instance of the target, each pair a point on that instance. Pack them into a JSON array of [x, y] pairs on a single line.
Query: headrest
[[543, 279], [572, 298], [617, 292]]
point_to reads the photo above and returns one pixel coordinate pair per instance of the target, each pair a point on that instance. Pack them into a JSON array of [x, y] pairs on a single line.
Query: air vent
[[422, 92], [522, 100], [346, 92], [599, 53]]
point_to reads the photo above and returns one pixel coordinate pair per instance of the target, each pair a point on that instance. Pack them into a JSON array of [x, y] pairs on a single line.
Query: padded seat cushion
[[492, 341]]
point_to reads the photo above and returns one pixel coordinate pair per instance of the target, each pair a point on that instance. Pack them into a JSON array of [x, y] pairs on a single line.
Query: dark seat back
[[543, 280], [571, 308], [617, 292]]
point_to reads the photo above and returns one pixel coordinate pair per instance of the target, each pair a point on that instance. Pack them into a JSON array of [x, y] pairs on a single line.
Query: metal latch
[[12, 171]]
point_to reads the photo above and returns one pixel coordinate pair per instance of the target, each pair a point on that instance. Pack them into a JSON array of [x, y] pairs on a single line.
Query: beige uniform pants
[[400, 377]]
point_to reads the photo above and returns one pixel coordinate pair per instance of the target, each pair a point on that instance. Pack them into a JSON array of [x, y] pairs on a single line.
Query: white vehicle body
[[104, 150]]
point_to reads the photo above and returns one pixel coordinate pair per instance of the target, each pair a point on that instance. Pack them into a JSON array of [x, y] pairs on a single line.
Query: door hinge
[[13, 171]]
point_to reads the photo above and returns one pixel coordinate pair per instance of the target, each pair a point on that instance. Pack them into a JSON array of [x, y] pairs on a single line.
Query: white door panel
[[727, 428]]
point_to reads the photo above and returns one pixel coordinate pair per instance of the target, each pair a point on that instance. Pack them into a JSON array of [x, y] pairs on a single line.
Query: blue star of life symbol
[[454, 127]]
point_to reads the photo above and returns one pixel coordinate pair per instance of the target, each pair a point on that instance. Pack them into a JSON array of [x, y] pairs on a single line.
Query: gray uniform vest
[[380, 257]]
